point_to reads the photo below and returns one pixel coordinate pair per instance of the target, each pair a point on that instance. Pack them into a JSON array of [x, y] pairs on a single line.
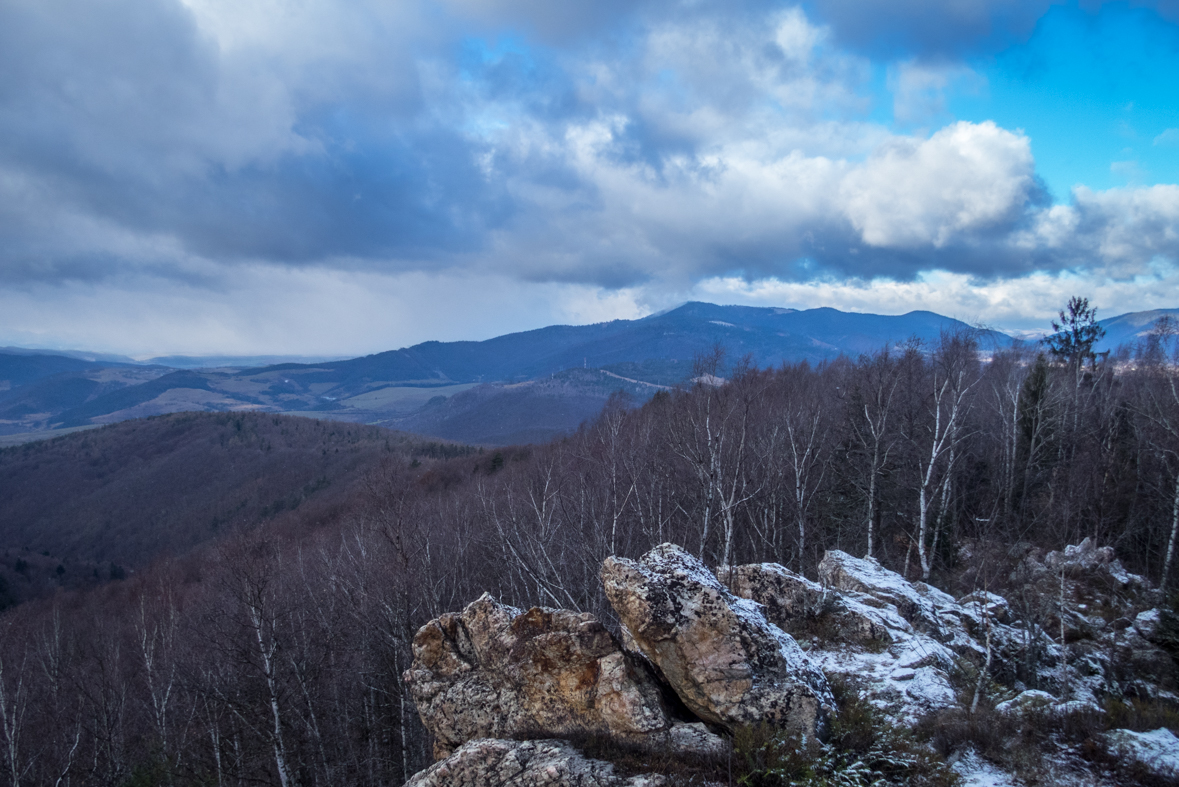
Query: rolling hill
[[771, 336], [520, 386], [525, 386], [115, 498]]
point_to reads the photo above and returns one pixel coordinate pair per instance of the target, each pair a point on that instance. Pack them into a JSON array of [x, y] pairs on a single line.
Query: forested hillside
[[108, 501], [276, 656]]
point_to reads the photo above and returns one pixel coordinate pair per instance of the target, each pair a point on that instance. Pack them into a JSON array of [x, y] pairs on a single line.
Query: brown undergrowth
[[860, 749], [1022, 744]]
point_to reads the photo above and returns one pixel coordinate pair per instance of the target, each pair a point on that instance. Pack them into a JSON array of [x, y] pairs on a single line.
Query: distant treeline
[[275, 657]]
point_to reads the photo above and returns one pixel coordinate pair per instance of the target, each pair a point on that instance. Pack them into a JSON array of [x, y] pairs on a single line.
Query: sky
[[341, 177]]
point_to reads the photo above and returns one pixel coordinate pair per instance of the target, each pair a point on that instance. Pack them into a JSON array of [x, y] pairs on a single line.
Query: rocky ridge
[[707, 655]]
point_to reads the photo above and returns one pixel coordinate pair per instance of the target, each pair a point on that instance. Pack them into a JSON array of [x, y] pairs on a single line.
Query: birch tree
[[951, 377], [870, 415]]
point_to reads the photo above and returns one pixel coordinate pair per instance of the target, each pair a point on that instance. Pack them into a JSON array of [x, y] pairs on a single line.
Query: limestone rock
[[540, 763], [852, 628], [1028, 702], [496, 672], [1148, 623], [1096, 588], [992, 605], [1133, 663], [1157, 751], [1086, 560], [917, 602], [803, 608], [718, 652]]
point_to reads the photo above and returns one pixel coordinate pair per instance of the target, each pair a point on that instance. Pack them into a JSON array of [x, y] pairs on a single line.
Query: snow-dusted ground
[[977, 772], [911, 649], [1157, 750]]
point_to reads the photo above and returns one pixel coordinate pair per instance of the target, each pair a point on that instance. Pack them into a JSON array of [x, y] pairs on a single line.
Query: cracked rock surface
[[728, 664], [494, 671]]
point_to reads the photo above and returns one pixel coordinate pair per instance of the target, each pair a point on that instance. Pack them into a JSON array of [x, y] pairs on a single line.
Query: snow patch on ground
[[977, 772], [1157, 750]]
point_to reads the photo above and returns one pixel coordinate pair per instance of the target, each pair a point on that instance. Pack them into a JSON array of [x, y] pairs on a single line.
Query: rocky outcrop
[[1155, 752], [1104, 637], [540, 763], [728, 664], [1079, 588], [860, 637], [806, 609], [916, 602], [494, 671], [1088, 562], [756, 644]]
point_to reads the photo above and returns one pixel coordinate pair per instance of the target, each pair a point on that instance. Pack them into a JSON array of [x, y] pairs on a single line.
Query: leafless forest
[[274, 657]]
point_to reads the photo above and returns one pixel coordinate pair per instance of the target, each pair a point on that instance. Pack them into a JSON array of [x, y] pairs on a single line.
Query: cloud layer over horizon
[[213, 176]]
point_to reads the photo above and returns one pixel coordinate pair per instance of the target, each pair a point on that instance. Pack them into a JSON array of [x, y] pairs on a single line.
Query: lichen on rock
[[728, 664], [494, 671]]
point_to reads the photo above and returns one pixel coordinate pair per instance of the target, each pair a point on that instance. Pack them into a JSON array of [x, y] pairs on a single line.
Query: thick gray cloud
[[603, 144], [129, 117]]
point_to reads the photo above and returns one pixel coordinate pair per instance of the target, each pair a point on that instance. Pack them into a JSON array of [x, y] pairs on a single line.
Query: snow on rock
[[1087, 559], [1148, 623], [1082, 587], [904, 694], [1158, 751], [915, 601], [541, 763], [857, 633], [1029, 701], [795, 604], [728, 664], [990, 604]]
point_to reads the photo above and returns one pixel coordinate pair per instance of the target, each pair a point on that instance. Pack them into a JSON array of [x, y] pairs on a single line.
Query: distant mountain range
[[1127, 329], [519, 387]]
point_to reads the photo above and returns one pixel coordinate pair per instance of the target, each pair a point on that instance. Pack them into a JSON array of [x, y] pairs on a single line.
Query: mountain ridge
[[479, 381]]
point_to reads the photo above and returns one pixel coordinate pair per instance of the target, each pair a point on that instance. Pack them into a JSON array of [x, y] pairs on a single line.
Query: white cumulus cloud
[[964, 179]]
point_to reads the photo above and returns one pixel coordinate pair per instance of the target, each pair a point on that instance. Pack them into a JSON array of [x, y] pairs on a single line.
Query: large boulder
[[494, 671], [1156, 753], [728, 664], [917, 602], [540, 763], [805, 609]]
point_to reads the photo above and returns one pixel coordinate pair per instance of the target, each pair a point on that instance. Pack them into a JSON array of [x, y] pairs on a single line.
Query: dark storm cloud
[[126, 113]]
